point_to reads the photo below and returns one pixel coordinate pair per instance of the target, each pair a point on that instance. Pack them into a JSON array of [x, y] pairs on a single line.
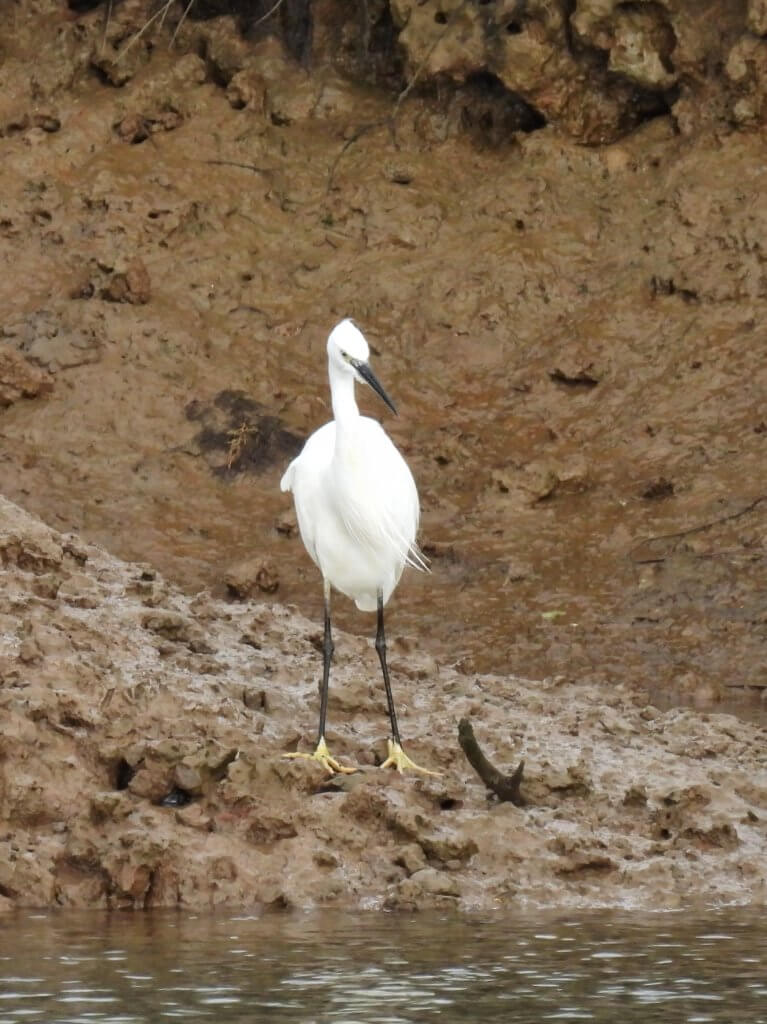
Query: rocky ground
[[549, 224]]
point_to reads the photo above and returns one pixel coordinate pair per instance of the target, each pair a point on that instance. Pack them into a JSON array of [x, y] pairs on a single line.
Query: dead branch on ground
[[505, 787]]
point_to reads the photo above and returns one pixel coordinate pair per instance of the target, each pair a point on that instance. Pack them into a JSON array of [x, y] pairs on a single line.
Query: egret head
[[348, 353]]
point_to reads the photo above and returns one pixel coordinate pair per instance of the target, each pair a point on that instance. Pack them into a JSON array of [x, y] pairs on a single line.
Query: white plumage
[[355, 497], [357, 509]]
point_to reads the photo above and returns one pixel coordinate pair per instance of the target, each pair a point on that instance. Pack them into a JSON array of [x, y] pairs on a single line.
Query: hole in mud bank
[[440, 18], [666, 286], [449, 804], [513, 28], [290, 20], [74, 721], [123, 773], [83, 6], [103, 76], [581, 379], [647, 105], [176, 798], [492, 113], [658, 489], [375, 55], [297, 28]]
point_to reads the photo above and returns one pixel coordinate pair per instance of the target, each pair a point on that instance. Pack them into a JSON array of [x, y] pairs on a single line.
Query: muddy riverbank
[[142, 732], [573, 335]]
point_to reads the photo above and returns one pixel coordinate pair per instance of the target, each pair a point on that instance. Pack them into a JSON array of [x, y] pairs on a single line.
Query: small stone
[[194, 817], [188, 778], [19, 378], [411, 858], [133, 129], [398, 174], [431, 882], [132, 286]]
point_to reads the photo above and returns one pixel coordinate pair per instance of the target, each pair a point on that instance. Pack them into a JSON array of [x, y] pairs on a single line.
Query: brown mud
[[142, 733], [574, 338]]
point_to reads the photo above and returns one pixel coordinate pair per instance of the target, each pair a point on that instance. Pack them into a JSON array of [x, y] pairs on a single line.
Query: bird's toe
[[399, 759]]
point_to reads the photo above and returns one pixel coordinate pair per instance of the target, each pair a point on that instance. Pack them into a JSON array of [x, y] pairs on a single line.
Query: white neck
[[345, 409]]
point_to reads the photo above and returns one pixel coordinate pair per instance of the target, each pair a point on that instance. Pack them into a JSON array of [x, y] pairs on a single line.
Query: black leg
[[327, 655], [381, 648]]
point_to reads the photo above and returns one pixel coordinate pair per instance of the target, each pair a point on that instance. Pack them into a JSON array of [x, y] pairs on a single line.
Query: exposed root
[[505, 787]]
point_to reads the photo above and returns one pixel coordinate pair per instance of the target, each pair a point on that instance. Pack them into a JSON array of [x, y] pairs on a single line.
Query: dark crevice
[[297, 28], [568, 10], [103, 76], [177, 797], [213, 69], [373, 53], [123, 773], [492, 113], [647, 104], [83, 6]]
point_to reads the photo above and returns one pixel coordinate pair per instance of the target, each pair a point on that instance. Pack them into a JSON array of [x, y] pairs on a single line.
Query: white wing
[[377, 496], [357, 513], [305, 477]]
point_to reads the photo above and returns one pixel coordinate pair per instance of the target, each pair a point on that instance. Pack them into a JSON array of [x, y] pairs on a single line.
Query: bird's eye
[[345, 355]]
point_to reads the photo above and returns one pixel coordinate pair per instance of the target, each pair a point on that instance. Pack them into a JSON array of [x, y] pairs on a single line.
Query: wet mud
[[574, 338], [142, 734]]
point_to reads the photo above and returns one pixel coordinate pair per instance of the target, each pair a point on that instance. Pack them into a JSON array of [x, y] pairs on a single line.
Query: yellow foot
[[398, 759], [326, 759]]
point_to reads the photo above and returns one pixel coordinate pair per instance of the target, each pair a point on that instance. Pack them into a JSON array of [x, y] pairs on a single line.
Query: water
[[383, 968]]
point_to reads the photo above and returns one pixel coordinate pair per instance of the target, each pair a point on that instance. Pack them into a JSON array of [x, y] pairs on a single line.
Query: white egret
[[357, 509]]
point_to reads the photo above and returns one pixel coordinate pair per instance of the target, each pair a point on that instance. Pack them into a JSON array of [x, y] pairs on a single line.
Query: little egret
[[357, 509]]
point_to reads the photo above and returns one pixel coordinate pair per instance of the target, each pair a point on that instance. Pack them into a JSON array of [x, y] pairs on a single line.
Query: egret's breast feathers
[[376, 496]]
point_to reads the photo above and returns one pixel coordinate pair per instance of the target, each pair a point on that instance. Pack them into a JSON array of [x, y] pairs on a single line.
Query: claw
[[325, 758], [398, 759]]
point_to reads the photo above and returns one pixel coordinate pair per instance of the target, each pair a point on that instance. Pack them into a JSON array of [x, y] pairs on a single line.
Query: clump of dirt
[[142, 732]]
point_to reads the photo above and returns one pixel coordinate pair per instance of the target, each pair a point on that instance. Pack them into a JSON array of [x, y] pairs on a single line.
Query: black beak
[[363, 369]]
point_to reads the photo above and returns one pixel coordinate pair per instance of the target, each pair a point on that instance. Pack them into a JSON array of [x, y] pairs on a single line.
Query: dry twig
[[679, 534], [237, 442]]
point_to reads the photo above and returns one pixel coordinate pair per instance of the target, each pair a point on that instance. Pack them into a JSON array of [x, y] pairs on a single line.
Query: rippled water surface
[[384, 968]]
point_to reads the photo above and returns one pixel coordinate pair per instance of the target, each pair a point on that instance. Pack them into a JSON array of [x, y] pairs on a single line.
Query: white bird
[[357, 509]]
